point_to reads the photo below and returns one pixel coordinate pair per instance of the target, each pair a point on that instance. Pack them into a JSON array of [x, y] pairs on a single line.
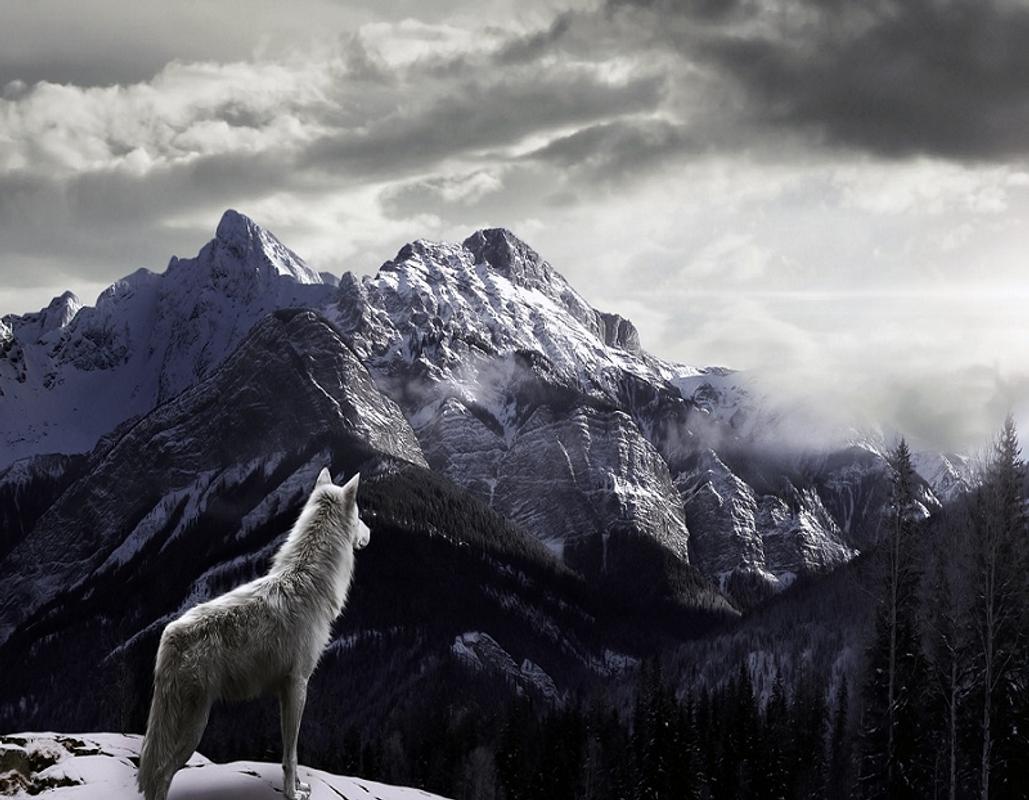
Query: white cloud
[[924, 186], [187, 110]]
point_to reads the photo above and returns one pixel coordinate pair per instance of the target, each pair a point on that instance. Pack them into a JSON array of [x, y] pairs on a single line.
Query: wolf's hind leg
[[163, 785], [195, 711], [291, 705]]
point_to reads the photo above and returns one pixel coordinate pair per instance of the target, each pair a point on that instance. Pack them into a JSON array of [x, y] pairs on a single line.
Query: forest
[[936, 706]]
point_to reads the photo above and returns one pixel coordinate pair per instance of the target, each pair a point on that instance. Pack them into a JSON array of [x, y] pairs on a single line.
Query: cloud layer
[[834, 193]]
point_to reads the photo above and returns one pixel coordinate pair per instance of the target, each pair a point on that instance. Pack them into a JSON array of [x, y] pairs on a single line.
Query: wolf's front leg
[[291, 705]]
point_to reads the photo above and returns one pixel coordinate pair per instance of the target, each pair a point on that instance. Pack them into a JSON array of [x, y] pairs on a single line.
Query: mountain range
[[548, 500]]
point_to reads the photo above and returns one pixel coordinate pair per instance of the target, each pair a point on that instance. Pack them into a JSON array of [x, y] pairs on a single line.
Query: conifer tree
[[690, 776], [893, 760], [999, 605], [946, 633], [775, 771], [839, 744]]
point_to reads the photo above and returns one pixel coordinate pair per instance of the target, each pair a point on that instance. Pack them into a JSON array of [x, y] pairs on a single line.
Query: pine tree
[[740, 736], [513, 769], [999, 603], [893, 759], [839, 750], [776, 757], [810, 724], [690, 776], [947, 633]]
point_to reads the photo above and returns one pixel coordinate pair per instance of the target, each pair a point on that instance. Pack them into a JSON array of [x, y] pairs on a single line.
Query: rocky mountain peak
[[61, 311], [33, 327], [235, 229], [241, 245], [617, 331], [507, 254]]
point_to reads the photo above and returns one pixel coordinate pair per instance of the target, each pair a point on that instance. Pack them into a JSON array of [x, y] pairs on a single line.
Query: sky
[[831, 195]]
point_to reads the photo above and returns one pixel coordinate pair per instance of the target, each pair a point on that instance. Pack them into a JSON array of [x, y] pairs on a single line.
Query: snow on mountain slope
[[451, 308], [756, 545], [100, 766], [292, 384], [70, 374], [727, 397], [516, 387], [757, 416], [482, 652], [949, 474]]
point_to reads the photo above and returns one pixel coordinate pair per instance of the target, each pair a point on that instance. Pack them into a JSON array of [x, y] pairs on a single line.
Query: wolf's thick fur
[[263, 637]]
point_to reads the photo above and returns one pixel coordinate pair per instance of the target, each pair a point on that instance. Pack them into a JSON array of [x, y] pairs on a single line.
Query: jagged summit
[[241, 245], [66, 298], [514, 384], [497, 249], [150, 336], [234, 227], [505, 253], [60, 311], [36, 325], [447, 306]]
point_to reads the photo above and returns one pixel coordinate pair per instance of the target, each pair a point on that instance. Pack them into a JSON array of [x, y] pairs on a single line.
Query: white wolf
[[263, 637]]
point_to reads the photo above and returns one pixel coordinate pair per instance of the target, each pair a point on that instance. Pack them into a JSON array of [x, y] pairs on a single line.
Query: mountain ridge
[[515, 387]]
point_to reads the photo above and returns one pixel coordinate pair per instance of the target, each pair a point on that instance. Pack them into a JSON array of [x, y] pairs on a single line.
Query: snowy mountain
[[550, 503], [70, 374], [521, 391], [98, 766], [292, 381], [755, 544], [507, 381], [194, 497]]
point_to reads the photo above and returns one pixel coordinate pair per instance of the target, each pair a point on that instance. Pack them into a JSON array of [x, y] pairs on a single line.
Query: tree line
[[938, 707], [945, 708]]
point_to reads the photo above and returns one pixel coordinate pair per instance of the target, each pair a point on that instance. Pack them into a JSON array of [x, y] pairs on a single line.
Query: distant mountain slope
[[70, 374], [293, 381]]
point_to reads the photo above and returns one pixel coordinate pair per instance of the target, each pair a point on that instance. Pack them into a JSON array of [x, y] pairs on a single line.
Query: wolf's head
[[347, 495]]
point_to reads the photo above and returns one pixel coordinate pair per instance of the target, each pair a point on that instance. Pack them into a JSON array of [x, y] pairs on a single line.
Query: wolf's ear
[[351, 485], [324, 477]]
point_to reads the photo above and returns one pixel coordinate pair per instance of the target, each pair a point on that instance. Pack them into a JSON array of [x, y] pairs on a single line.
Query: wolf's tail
[[167, 733]]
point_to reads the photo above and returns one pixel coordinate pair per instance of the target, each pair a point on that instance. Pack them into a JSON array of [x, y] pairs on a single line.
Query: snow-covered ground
[[101, 766]]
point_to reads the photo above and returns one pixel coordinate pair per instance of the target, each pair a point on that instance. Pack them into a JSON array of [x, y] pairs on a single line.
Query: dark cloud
[[105, 42], [520, 49], [480, 114], [612, 152], [697, 10], [894, 77]]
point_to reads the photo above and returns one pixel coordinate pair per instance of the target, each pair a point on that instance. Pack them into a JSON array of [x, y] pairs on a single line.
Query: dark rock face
[[506, 254], [619, 332], [762, 541]]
